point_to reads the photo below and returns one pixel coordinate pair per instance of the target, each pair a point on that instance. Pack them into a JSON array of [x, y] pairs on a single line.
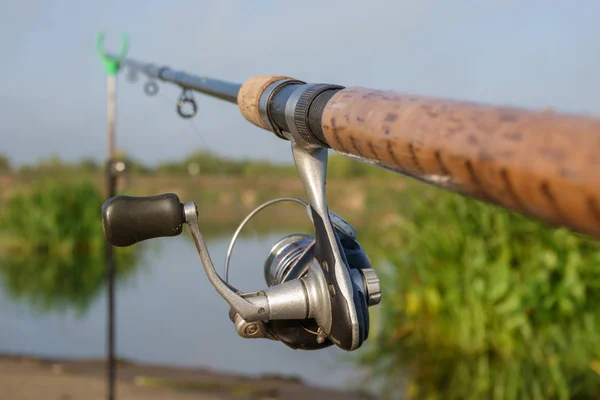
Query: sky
[[535, 54]]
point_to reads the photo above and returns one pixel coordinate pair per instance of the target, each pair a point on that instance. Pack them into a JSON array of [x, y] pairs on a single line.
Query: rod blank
[[223, 90]]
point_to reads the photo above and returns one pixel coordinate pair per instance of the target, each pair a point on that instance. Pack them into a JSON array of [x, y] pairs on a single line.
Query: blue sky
[[52, 99]]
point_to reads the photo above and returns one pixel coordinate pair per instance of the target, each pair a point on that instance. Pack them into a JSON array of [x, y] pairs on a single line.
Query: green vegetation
[[52, 244], [480, 303], [56, 167], [5, 165], [55, 218], [205, 163], [201, 163], [245, 390]]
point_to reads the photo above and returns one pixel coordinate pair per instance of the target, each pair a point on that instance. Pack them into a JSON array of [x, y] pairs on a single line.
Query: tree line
[[200, 162]]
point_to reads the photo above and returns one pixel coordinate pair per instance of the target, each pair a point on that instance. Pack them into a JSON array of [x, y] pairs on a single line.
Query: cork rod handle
[[542, 164]]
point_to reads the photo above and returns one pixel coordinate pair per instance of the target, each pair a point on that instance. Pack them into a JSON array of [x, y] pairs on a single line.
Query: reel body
[[290, 259], [319, 287]]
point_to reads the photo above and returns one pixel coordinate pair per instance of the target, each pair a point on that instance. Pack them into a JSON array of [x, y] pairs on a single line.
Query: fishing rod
[[542, 164]]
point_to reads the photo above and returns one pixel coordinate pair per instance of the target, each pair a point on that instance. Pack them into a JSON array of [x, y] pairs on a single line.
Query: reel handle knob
[[127, 220]]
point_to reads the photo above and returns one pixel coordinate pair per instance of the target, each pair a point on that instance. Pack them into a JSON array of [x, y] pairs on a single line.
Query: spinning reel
[[319, 288]]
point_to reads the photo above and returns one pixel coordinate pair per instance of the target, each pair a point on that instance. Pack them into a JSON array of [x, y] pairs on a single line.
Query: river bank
[[32, 378]]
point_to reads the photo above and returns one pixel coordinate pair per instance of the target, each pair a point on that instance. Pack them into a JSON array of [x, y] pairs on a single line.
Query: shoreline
[[177, 380]]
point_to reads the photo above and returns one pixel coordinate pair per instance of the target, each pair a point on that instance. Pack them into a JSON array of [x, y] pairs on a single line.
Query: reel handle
[[127, 220]]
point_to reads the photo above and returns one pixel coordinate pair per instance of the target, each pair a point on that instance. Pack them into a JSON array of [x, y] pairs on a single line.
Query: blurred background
[[478, 303]]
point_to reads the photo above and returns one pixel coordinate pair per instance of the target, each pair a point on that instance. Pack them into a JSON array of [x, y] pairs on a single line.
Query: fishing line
[[222, 174], [214, 160], [220, 171], [247, 221]]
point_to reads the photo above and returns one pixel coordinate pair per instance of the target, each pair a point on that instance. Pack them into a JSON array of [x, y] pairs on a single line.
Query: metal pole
[[110, 261], [111, 66]]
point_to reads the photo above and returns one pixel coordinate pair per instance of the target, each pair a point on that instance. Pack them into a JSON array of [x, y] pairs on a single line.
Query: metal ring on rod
[[151, 88], [181, 103], [248, 218], [186, 99]]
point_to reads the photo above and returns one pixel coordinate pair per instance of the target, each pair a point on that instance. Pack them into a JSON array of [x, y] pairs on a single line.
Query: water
[[168, 313]]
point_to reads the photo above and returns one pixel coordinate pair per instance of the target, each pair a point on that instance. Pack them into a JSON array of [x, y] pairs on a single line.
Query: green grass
[[55, 218], [52, 244], [481, 303]]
